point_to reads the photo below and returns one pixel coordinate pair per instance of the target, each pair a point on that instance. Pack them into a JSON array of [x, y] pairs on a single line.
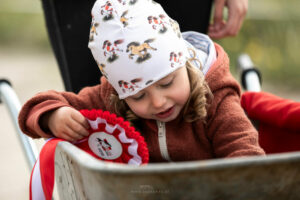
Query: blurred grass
[[270, 35], [274, 47], [23, 30], [22, 25]]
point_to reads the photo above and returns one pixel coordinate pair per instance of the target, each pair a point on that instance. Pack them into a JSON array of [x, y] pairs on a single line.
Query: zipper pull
[[160, 129], [159, 124]]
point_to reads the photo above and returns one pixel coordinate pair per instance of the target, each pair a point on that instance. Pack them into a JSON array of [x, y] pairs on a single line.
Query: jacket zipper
[[162, 140]]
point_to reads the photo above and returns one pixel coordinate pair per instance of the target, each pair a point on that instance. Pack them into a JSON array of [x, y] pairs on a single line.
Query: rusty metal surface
[[79, 176]]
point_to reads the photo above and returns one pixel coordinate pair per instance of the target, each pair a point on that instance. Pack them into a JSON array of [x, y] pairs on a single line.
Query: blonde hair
[[200, 95], [195, 107]]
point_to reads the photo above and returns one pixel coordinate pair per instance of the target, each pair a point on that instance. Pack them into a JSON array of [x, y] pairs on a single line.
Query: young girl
[[181, 97]]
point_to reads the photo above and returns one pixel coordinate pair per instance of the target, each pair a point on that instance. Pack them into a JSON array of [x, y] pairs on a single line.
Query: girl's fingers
[[78, 117], [71, 133], [68, 123], [67, 137], [77, 128]]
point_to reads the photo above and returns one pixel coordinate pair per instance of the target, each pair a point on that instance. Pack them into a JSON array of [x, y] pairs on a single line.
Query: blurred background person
[[193, 15]]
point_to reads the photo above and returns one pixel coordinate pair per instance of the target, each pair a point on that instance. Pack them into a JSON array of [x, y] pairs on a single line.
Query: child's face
[[164, 99]]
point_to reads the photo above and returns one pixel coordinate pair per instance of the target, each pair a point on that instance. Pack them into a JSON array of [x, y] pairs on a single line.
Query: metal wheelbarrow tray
[[80, 176]]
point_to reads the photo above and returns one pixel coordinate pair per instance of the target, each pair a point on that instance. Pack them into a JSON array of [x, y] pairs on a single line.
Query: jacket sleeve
[[34, 108], [229, 129]]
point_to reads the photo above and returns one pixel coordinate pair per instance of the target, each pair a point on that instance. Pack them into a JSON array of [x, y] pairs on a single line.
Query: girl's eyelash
[[139, 97], [163, 86], [168, 84]]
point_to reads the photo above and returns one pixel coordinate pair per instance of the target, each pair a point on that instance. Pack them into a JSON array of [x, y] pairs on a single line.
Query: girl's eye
[[167, 84], [138, 97]]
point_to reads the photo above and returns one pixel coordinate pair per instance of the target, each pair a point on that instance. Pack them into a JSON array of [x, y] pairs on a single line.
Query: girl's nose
[[158, 100]]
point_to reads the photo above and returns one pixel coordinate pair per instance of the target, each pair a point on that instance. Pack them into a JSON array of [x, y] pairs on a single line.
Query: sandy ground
[[31, 72]]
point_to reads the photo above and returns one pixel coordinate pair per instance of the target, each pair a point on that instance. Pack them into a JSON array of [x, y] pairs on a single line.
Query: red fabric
[[48, 168], [278, 118], [46, 171], [30, 184]]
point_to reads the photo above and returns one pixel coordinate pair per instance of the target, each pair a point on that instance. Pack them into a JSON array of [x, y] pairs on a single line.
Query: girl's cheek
[[136, 108]]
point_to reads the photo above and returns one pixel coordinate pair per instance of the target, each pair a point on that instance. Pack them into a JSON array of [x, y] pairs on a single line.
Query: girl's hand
[[66, 123]]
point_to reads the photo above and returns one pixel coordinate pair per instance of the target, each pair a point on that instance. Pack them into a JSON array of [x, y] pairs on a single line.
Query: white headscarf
[[135, 43]]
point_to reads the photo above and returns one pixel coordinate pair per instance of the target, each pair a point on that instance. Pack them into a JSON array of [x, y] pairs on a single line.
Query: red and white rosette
[[112, 139]]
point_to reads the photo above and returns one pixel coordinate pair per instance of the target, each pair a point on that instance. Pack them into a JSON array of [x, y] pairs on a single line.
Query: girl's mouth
[[166, 113]]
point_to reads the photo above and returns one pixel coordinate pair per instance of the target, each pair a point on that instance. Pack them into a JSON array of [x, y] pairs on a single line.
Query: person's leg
[[191, 15], [68, 24]]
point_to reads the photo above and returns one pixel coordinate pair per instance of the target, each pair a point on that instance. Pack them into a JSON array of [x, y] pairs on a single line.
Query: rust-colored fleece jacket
[[227, 132]]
